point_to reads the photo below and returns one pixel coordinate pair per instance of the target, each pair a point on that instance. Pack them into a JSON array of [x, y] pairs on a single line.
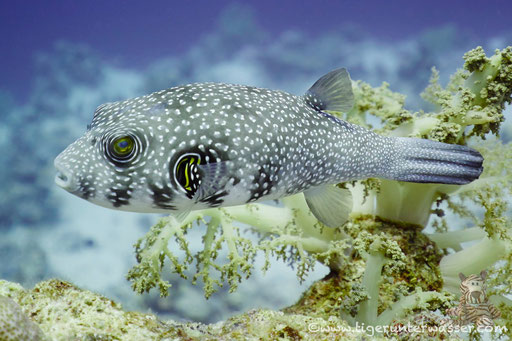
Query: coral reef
[[15, 325], [65, 312]]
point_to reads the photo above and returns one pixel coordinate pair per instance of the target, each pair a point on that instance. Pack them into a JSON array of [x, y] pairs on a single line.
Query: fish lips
[[64, 177]]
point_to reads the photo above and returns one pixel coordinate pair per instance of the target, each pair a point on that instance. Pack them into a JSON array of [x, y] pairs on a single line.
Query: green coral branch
[[454, 239], [240, 255], [411, 202], [205, 257], [472, 259], [152, 250], [374, 263], [282, 229], [420, 300], [378, 251]]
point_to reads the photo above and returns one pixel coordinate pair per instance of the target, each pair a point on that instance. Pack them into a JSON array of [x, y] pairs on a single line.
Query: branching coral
[[290, 233], [383, 266]]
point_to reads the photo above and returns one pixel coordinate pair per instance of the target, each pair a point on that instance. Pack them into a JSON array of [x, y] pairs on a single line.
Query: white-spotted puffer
[[208, 145]]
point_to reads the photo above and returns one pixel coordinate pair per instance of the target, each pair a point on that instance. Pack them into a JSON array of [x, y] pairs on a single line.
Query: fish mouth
[[61, 179], [64, 178]]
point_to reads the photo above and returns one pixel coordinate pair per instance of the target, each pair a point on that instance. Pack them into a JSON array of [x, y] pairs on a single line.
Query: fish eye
[[122, 146], [122, 149]]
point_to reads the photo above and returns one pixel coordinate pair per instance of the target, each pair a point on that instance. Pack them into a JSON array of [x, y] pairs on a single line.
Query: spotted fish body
[[209, 144]]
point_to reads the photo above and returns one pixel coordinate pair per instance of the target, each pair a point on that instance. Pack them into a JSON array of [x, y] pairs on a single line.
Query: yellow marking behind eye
[[187, 180], [187, 166]]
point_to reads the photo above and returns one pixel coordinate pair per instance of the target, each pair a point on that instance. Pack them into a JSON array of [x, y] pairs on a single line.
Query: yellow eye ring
[[122, 146], [122, 150]]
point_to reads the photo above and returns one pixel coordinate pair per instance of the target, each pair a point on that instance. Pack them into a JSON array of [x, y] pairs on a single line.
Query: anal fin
[[329, 204]]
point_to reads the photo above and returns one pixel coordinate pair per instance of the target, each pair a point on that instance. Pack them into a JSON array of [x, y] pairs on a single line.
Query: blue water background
[[61, 59], [136, 33]]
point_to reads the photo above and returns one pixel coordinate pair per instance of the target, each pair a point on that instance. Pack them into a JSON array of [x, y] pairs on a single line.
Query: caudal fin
[[427, 161]]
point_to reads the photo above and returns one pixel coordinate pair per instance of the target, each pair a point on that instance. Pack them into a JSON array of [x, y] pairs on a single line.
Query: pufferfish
[[206, 145]]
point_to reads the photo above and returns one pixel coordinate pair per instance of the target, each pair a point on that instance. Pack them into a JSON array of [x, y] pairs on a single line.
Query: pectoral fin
[[212, 179], [180, 216], [329, 204]]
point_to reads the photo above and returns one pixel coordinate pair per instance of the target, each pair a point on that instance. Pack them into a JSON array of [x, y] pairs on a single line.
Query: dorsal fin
[[332, 92]]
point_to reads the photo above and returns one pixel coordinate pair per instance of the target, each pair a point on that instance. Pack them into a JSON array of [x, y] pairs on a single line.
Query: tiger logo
[[474, 306]]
